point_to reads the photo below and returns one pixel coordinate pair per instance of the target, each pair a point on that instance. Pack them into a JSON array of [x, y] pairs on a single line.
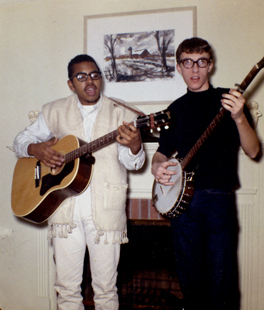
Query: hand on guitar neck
[[129, 136], [43, 152], [160, 169]]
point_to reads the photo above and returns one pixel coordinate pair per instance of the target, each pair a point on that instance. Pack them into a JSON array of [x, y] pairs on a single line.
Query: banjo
[[164, 196]]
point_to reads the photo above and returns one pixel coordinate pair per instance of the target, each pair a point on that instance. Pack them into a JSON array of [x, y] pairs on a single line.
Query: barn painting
[[138, 57]]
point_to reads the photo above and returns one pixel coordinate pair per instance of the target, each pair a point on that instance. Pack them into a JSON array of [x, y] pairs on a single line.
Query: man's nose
[[89, 79], [195, 67]]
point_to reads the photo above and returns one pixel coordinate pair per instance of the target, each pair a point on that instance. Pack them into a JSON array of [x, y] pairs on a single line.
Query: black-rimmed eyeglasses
[[201, 62], [82, 76]]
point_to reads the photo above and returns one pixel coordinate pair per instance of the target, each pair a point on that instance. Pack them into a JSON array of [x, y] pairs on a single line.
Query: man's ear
[[178, 67], [210, 68], [70, 84]]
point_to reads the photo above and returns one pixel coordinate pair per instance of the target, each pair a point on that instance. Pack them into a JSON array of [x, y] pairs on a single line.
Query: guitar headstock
[[154, 120]]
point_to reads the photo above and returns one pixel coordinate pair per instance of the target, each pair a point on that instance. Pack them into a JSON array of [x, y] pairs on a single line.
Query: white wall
[[37, 39]]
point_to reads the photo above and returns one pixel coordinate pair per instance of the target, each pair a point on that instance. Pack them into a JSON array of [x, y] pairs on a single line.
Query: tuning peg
[[151, 130], [158, 128], [166, 127]]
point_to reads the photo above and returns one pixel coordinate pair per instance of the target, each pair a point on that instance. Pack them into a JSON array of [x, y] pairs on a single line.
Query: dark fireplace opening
[[146, 275]]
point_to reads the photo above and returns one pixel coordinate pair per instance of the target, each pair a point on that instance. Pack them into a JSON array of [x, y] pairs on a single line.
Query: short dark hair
[[193, 45], [78, 59]]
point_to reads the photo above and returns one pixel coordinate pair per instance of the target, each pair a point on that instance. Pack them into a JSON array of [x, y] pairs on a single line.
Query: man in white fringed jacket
[[96, 218]]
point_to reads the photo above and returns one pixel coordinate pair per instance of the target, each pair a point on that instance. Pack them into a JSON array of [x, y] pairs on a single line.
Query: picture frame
[[139, 73]]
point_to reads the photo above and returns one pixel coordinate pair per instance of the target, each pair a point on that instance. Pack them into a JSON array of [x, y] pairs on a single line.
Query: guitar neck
[[216, 121], [91, 147], [151, 121]]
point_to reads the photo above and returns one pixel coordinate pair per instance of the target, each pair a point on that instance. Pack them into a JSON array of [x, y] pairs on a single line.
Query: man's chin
[[90, 101]]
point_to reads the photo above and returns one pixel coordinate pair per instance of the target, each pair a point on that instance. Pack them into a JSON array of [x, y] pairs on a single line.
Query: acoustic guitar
[[37, 190]]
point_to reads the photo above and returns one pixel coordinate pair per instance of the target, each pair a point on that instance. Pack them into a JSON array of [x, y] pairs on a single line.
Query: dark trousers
[[205, 242]]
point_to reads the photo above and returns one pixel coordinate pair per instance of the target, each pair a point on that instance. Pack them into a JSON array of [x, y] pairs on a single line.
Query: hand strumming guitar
[[43, 152]]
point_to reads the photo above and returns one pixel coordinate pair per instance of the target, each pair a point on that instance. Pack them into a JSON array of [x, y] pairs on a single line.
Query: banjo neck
[[216, 121], [209, 130]]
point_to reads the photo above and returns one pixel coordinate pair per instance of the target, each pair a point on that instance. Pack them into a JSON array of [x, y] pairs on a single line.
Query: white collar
[[87, 109]]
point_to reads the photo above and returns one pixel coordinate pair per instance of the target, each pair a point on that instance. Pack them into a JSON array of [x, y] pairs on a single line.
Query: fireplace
[[146, 276]]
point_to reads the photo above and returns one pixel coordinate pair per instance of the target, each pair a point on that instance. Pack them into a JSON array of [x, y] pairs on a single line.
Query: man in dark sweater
[[205, 235]]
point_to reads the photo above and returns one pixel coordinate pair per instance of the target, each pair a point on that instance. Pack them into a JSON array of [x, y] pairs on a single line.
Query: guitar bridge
[[37, 173]]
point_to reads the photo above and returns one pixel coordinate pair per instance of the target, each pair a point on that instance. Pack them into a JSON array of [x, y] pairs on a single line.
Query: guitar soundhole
[[50, 180]]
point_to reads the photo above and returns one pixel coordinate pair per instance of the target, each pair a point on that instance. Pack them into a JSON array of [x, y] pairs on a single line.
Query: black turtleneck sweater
[[215, 163]]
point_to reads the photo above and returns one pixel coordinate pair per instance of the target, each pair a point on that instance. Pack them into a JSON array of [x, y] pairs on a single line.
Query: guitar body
[[173, 200], [36, 198]]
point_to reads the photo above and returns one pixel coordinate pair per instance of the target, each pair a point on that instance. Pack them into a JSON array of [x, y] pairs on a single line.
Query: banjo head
[[164, 196]]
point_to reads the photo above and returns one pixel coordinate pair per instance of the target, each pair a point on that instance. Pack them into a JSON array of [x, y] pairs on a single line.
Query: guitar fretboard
[[92, 146], [153, 120]]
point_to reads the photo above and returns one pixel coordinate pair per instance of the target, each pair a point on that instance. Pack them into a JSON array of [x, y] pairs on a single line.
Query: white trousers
[[69, 258]]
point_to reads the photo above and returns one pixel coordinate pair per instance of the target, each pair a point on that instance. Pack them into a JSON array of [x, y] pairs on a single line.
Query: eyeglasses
[[201, 62], [82, 76]]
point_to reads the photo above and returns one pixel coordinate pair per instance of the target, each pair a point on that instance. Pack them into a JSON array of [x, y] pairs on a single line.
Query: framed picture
[[136, 51]]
